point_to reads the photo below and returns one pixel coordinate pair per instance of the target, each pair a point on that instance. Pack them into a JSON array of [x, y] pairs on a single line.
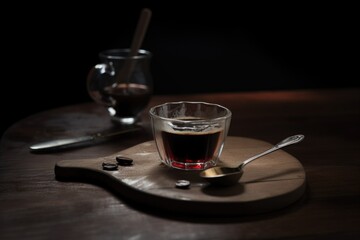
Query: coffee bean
[[124, 161], [109, 166], [182, 184]]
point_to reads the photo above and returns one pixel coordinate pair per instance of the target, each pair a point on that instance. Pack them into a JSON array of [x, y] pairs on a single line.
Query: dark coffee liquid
[[129, 100], [190, 147]]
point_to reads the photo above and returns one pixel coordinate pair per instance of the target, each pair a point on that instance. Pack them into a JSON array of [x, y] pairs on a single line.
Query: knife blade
[[66, 142]]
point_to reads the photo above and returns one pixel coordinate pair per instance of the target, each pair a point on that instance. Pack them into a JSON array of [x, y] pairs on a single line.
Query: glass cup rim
[[121, 53], [226, 116]]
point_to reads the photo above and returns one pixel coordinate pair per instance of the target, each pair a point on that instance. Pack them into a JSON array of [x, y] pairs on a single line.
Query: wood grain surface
[[275, 181], [35, 205]]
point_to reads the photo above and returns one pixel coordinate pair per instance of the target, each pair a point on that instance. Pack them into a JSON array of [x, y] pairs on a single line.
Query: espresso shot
[[191, 149], [190, 135], [122, 83], [128, 100]]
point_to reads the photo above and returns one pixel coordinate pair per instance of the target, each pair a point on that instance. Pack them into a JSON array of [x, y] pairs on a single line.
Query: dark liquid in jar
[[129, 100], [190, 147]]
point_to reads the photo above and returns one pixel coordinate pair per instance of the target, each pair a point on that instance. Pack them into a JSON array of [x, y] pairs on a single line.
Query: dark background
[[48, 49]]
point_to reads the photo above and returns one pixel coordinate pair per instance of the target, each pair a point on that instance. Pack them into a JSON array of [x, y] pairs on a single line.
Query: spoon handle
[[141, 28], [283, 143]]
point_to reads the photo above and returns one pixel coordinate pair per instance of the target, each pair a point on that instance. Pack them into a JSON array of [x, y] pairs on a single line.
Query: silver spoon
[[225, 176]]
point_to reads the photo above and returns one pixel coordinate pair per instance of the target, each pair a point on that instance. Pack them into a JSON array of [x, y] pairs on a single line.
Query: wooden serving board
[[269, 183]]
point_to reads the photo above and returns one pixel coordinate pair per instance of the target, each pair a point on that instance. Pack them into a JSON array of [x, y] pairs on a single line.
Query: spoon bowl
[[225, 176], [222, 176]]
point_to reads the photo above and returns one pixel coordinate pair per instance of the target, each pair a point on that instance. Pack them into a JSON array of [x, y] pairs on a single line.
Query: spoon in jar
[[141, 28], [225, 176]]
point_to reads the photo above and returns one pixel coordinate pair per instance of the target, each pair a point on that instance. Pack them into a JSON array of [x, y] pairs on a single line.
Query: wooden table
[[34, 205]]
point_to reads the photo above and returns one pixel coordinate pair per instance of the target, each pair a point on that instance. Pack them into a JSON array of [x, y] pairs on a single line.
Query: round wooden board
[[272, 182]]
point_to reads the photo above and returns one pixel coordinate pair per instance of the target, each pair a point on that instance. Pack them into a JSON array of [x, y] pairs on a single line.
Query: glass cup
[[121, 83], [190, 135]]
